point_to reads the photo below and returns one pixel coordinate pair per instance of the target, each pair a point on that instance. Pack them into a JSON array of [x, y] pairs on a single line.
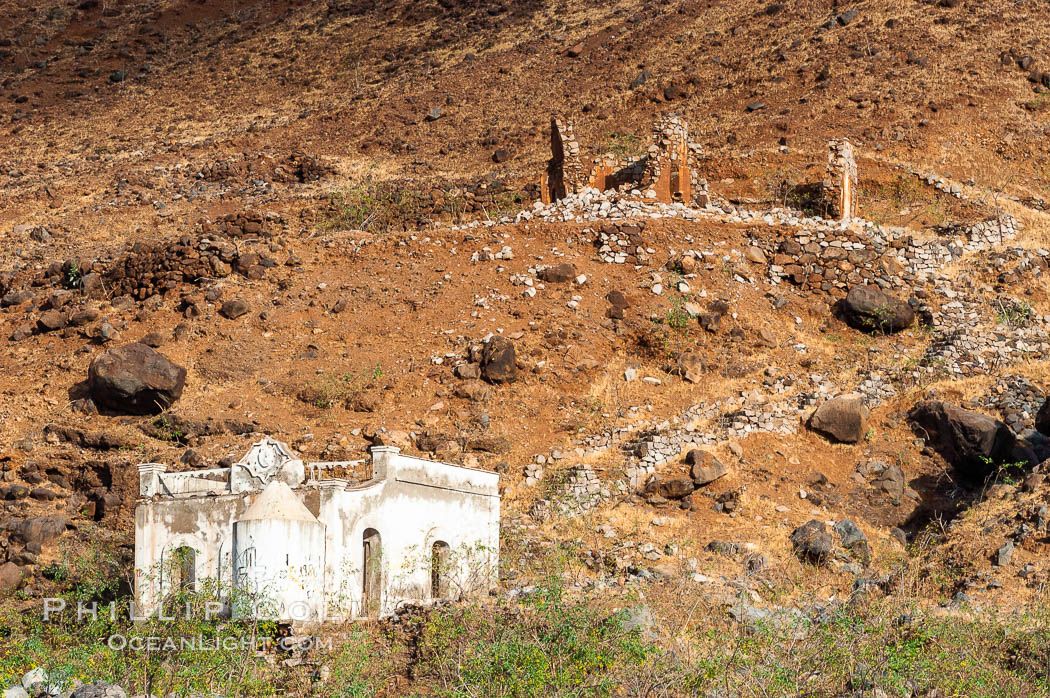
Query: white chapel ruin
[[310, 547]]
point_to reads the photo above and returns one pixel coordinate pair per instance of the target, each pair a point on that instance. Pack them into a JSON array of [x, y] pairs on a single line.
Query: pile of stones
[[533, 473], [296, 167], [649, 446], [243, 224], [302, 167], [941, 184], [876, 387], [482, 196], [39, 682], [1025, 263], [66, 291], [971, 337], [155, 268]]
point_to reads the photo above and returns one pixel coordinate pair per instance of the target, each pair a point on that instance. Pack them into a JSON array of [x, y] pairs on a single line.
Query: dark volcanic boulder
[[234, 308], [1042, 418], [974, 443], [498, 361], [843, 418], [812, 542], [135, 379], [869, 309], [558, 274], [40, 530], [704, 467]]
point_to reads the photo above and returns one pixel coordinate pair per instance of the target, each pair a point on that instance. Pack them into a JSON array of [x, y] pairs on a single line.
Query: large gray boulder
[[39, 530], [135, 379], [973, 443], [843, 418], [35, 681], [869, 309], [853, 539]]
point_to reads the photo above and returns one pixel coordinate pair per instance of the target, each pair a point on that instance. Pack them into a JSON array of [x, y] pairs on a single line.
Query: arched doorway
[[372, 573], [439, 570]]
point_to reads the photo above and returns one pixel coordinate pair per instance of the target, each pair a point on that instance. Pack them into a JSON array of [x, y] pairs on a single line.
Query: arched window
[[183, 568], [439, 570], [372, 573]]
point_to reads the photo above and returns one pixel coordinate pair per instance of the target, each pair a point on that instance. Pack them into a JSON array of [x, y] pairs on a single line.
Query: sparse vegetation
[[548, 645], [327, 391], [551, 643], [73, 275], [623, 145], [375, 205], [673, 332], [785, 188], [1013, 313], [167, 431], [902, 201]]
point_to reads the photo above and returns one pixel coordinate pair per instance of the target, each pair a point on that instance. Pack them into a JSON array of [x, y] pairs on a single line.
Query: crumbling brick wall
[[839, 197]]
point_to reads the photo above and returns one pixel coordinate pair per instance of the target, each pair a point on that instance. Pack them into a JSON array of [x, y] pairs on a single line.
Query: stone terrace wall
[[622, 243], [832, 260], [243, 224]]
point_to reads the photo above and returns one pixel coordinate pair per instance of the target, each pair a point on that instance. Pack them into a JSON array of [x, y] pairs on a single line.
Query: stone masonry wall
[[668, 172], [565, 174], [672, 157], [840, 181], [893, 258]]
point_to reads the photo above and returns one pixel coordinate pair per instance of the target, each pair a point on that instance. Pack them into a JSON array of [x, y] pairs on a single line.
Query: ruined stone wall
[[840, 182], [669, 169], [149, 269], [565, 173]]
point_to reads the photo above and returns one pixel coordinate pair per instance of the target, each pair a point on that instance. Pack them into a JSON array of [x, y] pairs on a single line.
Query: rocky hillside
[[321, 221]]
